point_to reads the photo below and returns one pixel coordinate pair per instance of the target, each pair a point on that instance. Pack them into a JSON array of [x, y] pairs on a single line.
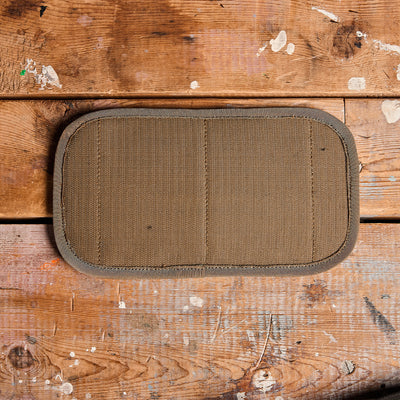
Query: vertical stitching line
[[205, 133], [312, 193], [98, 192]]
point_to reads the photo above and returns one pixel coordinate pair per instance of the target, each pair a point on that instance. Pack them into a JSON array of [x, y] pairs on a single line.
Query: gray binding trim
[[212, 270]]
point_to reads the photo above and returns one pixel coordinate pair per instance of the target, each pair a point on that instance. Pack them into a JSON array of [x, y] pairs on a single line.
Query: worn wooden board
[[29, 131], [199, 48], [375, 123], [209, 338]]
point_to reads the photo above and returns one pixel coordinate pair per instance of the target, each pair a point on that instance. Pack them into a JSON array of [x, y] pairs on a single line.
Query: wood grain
[[378, 150], [29, 131], [134, 48], [208, 338]]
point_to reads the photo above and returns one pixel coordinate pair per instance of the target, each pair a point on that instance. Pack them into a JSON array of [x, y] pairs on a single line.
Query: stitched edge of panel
[[198, 270]]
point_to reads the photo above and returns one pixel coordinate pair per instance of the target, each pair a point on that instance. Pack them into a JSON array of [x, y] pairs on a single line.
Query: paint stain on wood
[[318, 292], [42, 10], [381, 321]]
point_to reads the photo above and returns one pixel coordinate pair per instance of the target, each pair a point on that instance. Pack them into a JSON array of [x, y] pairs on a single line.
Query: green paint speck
[[23, 72]]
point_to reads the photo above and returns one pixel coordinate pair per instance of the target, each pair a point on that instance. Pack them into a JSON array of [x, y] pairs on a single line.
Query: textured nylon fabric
[[182, 191]]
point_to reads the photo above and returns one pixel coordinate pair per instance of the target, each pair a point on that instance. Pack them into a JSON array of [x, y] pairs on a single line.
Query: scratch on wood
[[381, 321], [234, 326], [217, 325], [265, 343], [54, 328], [73, 302]]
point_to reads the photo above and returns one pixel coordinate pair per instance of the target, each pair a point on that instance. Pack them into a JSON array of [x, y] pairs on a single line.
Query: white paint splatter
[[261, 49], [76, 362], [391, 110], [196, 301], [20, 381], [290, 48], [34, 379], [251, 336], [360, 34], [398, 72], [100, 43], [122, 304], [194, 85], [47, 382], [241, 396], [278, 43], [263, 380], [93, 349], [328, 14], [186, 340], [392, 178], [185, 308], [72, 354], [48, 76], [279, 398], [356, 83], [330, 336], [58, 376], [88, 396], [85, 20], [316, 354], [67, 388], [386, 46]]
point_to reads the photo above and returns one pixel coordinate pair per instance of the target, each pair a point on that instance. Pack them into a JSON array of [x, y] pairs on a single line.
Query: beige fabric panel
[[259, 191], [151, 198], [330, 191], [79, 197], [175, 191]]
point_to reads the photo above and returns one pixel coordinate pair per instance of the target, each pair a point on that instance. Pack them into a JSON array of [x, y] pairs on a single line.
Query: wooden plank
[[217, 338], [199, 48], [29, 132], [378, 144]]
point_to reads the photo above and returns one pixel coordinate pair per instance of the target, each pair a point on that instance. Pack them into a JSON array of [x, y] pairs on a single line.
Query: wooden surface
[[116, 48], [378, 146], [64, 335], [207, 338], [29, 131]]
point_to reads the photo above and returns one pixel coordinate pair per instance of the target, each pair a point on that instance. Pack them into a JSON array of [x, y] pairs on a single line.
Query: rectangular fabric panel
[[179, 193]]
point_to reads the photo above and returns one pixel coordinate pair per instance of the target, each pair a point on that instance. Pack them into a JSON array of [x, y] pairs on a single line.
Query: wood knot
[[345, 41], [20, 358]]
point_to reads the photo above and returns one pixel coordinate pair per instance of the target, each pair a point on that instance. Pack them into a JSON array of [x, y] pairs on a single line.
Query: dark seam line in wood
[[176, 96]]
